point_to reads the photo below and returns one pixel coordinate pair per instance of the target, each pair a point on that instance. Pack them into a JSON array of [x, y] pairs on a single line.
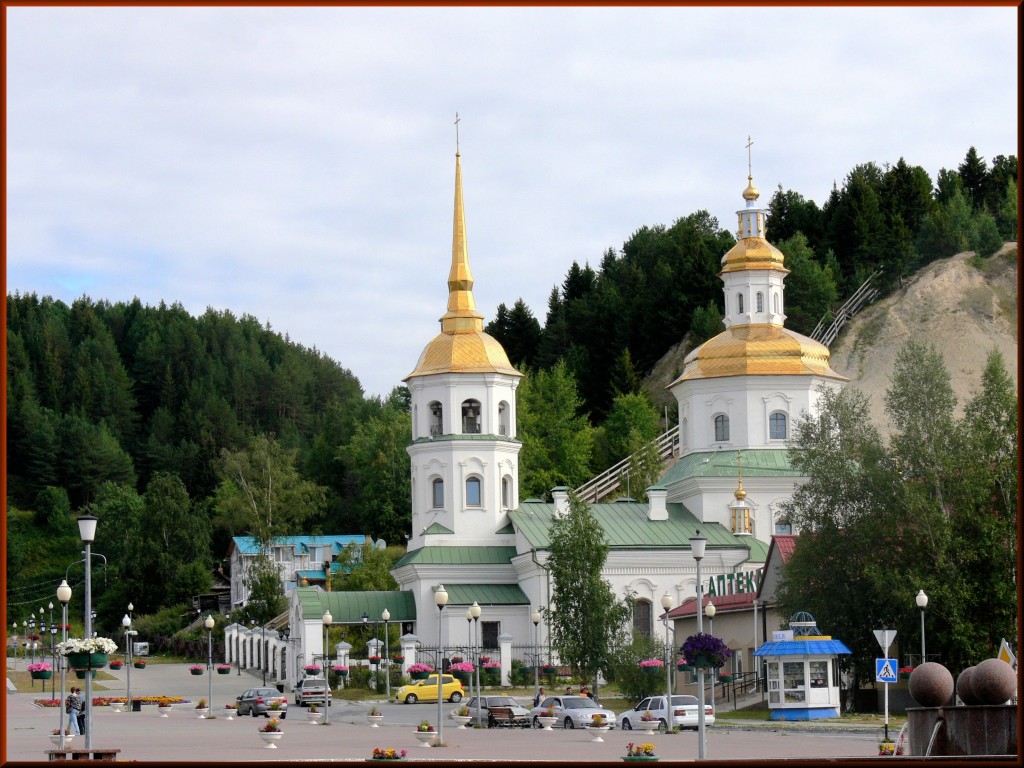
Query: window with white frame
[[777, 426], [506, 492], [473, 492], [760, 302], [721, 428], [739, 302], [471, 418], [437, 486], [503, 419]]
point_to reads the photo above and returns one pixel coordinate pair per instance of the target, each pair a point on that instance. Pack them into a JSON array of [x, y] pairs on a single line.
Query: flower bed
[[388, 754]]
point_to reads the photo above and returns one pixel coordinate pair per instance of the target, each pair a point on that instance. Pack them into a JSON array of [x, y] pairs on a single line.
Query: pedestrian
[[539, 697], [584, 691], [81, 713], [568, 691], [72, 705]]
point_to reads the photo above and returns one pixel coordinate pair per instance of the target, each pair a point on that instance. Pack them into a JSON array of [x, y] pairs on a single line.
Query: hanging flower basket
[[116, 664], [652, 666], [456, 659], [549, 669], [223, 669], [40, 671], [704, 650], [725, 678], [398, 658], [140, 664], [196, 669], [82, 673], [375, 660], [683, 666], [341, 670]]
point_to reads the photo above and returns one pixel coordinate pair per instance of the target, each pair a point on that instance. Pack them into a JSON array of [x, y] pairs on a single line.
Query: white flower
[[93, 645]]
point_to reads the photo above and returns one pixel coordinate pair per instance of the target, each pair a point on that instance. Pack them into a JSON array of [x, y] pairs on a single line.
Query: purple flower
[[708, 646]]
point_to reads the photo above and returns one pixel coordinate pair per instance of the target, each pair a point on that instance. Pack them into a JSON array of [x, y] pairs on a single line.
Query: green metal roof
[[458, 556], [486, 594], [758, 549], [769, 462], [349, 607], [626, 526], [507, 528], [437, 528]]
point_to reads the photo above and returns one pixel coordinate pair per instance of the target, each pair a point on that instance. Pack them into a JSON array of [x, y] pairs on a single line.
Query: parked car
[[479, 707], [685, 709], [426, 690], [312, 690], [257, 701], [571, 711]]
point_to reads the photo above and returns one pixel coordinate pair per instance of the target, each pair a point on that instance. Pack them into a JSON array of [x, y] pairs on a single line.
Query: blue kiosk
[[802, 671]]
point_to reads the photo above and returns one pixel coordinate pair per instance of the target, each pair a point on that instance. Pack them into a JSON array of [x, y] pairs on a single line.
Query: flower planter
[[202, 712], [426, 738], [55, 738], [546, 722], [648, 726], [549, 669], [343, 673], [640, 758], [78, 660], [887, 749], [651, 670], [115, 665], [374, 720], [164, 711], [419, 675], [461, 720], [81, 673], [598, 731], [725, 678], [314, 717], [139, 665], [223, 671], [196, 671], [43, 674], [270, 738]]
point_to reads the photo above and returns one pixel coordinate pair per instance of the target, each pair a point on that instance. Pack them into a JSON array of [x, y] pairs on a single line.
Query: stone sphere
[[993, 681], [963, 687], [931, 685]]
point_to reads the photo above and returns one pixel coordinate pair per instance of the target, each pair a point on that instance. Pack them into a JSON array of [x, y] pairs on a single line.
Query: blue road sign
[[885, 670]]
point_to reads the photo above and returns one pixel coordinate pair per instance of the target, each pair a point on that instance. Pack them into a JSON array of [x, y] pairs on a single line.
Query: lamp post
[[666, 604], [710, 610], [53, 649], [63, 597], [535, 618], [476, 611], [126, 622], [469, 641], [440, 600], [208, 623], [697, 545], [328, 619], [87, 532], [922, 603], [386, 617]]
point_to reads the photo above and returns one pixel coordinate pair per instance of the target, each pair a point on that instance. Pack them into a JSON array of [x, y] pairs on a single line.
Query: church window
[[642, 618], [503, 417], [783, 527], [506, 492], [471, 417], [775, 301], [473, 492], [438, 488], [777, 426], [436, 419], [721, 428], [739, 302], [760, 302]]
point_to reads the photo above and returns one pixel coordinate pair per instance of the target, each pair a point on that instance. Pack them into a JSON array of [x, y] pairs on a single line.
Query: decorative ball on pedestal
[[964, 689], [931, 684], [993, 682]]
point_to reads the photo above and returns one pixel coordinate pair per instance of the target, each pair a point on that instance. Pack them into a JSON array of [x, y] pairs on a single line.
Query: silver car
[[685, 709], [481, 713], [571, 711]]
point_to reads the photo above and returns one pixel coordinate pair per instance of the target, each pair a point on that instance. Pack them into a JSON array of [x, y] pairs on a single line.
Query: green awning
[[485, 594]]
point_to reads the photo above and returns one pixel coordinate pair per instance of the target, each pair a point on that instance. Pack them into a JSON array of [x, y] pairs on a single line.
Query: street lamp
[[922, 603], [53, 650], [469, 634], [126, 622], [208, 623], [666, 604], [476, 610], [710, 610], [327, 657], [535, 618], [697, 545], [440, 600], [386, 617], [63, 597], [87, 532]]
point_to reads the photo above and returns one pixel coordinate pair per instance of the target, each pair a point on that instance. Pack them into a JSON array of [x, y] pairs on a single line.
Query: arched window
[[438, 488], [503, 413], [760, 302], [436, 419], [642, 618], [721, 428], [739, 302], [775, 301], [777, 426], [506, 492], [473, 492], [471, 417]]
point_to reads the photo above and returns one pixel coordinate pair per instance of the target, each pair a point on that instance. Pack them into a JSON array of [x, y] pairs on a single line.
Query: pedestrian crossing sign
[[885, 670]]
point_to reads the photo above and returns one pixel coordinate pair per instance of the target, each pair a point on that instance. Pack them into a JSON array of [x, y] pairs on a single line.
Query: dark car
[[258, 702]]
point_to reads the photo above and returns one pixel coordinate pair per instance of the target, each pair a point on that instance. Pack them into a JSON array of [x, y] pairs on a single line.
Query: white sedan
[[571, 711], [685, 709]]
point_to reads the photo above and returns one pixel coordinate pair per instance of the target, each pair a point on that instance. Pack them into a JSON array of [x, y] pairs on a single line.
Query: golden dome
[[758, 350], [751, 192], [474, 352], [740, 493], [753, 253]]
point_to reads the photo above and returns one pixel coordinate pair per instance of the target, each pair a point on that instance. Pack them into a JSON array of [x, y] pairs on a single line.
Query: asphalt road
[[182, 737]]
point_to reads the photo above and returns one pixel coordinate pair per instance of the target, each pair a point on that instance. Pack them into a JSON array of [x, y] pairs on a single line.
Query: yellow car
[[426, 690]]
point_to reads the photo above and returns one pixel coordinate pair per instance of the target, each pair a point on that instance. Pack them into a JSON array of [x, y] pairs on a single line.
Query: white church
[[737, 398]]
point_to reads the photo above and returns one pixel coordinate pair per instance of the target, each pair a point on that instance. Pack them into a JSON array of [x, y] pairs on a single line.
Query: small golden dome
[[751, 192], [740, 493], [475, 352], [753, 253], [758, 350]]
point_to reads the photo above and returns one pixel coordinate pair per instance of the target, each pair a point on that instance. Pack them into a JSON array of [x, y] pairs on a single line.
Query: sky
[[298, 164]]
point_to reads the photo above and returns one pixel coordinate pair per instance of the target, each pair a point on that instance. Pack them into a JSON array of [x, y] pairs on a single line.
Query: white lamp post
[[710, 610], [666, 604], [208, 623], [87, 532], [386, 617], [922, 603], [440, 600], [535, 618], [64, 597], [697, 545], [469, 633], [126, 622], [328, 620], [475, 608]]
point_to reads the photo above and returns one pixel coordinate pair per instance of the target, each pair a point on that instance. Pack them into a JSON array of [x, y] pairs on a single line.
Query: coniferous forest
[[147, 416]]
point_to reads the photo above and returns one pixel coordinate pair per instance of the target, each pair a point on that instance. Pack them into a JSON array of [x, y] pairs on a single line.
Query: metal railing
[[826, 334], [609, 481]]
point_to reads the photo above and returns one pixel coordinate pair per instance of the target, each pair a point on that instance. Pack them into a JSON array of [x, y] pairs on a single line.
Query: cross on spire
[[457, 133], [750, 172]]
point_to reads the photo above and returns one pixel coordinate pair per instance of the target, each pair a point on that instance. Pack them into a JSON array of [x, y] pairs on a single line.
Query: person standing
[[73, 705], [539, 697]]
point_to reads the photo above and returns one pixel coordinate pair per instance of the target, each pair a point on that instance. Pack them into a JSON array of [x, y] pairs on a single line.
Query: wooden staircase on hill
[[826, 334], [609, 481]]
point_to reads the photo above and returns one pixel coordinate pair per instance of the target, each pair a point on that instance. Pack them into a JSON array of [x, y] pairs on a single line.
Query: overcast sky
[[297, 164]]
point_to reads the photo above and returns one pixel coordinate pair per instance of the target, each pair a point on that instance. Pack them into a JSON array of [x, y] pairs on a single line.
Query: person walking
[[73, 706], [539, 697]]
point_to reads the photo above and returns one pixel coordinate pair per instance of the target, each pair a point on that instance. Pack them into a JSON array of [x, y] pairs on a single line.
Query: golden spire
[[461, 316], [751, 193], [740, 493]]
